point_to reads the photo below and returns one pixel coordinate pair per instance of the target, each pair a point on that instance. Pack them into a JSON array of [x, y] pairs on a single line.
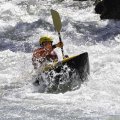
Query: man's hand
[[60, 44]]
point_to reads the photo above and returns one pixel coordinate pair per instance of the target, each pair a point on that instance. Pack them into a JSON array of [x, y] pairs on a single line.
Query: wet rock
[[108, 9], [99, 7]]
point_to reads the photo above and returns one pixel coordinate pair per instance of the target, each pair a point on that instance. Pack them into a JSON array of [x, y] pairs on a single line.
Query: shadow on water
[[15, 38], [98, 33], [92, 32]]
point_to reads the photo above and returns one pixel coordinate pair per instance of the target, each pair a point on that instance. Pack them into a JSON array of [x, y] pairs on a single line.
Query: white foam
[[98, 97]]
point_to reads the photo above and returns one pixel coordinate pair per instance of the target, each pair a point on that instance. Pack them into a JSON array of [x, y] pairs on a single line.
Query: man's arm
[[60, 45]]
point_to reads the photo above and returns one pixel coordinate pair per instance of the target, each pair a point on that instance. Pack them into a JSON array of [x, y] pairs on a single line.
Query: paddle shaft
[[61, 41]]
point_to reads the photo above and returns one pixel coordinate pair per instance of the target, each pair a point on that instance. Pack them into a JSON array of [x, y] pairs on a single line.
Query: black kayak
[[80, 63], [79, 70]]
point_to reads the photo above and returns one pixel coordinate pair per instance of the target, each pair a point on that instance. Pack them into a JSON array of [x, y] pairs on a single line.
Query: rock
[[108, 9], [99, 7]]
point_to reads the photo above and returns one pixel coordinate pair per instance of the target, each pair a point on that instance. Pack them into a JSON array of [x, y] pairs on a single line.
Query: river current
[[21, 25]]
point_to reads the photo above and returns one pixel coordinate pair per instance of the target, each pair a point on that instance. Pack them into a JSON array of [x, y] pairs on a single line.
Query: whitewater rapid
[[21, 25]]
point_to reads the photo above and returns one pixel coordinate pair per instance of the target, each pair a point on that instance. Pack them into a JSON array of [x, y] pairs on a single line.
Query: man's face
[[47, 45]]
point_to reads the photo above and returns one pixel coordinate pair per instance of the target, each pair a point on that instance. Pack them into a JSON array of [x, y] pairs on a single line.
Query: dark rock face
[[99, 7], [109, 9]]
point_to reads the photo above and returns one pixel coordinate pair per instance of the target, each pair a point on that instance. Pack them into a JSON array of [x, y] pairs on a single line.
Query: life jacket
[[52, 56], [42, 55]]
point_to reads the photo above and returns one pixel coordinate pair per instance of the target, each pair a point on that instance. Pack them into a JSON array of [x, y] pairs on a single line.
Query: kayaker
[[45, 52]]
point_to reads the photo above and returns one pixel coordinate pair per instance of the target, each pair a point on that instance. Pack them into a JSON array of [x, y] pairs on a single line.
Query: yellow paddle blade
[[56, 20]]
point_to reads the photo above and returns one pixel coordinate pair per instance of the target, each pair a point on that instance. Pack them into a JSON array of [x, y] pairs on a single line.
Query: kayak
[[70, 73], [79, 62]]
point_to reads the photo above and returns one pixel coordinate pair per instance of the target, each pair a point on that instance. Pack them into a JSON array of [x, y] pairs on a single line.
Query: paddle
[[57, 25]]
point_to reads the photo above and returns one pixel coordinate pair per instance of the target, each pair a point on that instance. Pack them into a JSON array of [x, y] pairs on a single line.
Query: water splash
[[66, 79]]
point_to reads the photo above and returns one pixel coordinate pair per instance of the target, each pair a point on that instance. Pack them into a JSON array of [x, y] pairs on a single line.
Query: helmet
[[45, 39]]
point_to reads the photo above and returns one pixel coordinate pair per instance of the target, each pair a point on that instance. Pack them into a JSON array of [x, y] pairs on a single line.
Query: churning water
[[21, 24]]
